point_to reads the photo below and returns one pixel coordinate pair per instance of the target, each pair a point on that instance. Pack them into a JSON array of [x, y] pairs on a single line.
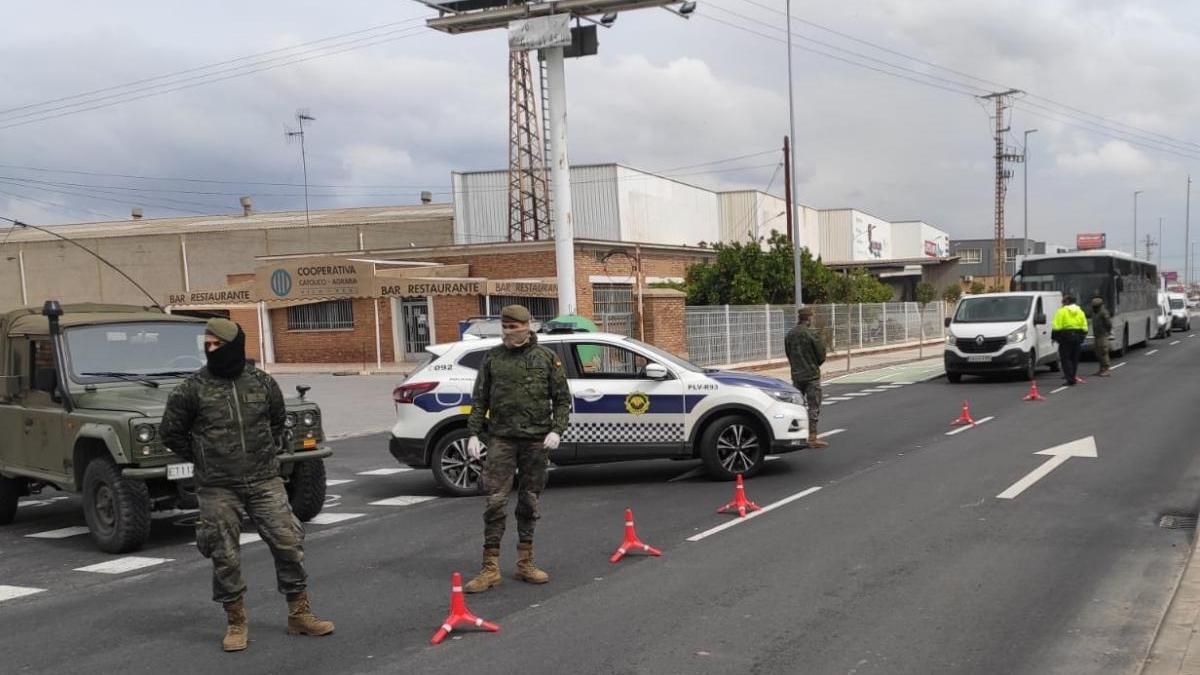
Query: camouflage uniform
[[1101, 330], [521, 395], [231, 429], [806, 352]]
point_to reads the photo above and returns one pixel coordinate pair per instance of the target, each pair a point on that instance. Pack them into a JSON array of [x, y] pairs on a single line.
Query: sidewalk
[[837, 365], [1176, 648]]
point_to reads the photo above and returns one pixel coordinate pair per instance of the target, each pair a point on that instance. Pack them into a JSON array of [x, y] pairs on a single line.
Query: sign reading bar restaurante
[[315, 279], [416, 287], [525, 288], [224, 296]]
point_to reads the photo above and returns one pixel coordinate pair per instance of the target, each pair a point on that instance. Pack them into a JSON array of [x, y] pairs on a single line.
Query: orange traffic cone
[[739, 503], [459, 614], [631, 542], [965, 417], [1033, 394]]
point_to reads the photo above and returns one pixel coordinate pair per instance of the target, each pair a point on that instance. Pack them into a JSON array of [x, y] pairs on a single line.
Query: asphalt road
[[904, 561]]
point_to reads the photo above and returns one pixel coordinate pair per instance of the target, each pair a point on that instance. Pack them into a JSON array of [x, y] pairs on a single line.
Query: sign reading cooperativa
[[320, 278]]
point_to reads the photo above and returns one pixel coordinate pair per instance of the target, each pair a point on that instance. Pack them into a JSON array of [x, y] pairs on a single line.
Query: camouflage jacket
[[805, 353], [230, 429], [1102, 322], [520, 393]]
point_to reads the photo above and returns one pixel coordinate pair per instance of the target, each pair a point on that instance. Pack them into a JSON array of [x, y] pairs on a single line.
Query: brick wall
[[448, 310], [664, 320], [355, 345], [247, 318]]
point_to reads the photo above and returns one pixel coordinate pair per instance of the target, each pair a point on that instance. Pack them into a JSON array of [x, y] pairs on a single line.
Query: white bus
[[1129, 288]]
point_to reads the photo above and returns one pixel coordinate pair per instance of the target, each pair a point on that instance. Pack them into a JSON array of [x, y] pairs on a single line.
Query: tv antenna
[[303, 115]]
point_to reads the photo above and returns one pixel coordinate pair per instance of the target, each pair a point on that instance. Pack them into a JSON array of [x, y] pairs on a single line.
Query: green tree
[[952, 293], [756, 271], [978, 288], [926, 293]]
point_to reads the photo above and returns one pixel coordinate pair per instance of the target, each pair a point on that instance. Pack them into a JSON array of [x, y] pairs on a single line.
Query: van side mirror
[[946, 321], [656, 371], [1040, 319]]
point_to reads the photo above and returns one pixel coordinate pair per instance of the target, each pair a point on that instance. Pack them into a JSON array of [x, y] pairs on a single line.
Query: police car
[[630, 401]]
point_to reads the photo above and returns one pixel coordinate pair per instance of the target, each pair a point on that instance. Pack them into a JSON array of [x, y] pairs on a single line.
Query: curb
[[1176, 645]]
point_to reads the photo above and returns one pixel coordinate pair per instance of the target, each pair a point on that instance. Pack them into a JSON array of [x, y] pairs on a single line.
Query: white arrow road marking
[[1084, 447], [10, 592]]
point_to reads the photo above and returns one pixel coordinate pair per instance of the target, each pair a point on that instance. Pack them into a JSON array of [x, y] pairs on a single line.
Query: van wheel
[[306, 489], [732, 445], [453, 469], [954, 378], [11, 490], [117, 509], [1031, 366]]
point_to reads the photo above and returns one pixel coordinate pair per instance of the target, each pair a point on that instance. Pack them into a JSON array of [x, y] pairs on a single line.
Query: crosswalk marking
[[332, 518], [123, 565], [60, 533], [384, 472], [338, 481], [858, 393], [11, 592], [403, 500]]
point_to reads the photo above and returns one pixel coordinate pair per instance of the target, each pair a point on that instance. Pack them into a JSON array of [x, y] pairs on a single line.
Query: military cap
[[1096, 302], [805, 312], [223, 329], [516, 313]]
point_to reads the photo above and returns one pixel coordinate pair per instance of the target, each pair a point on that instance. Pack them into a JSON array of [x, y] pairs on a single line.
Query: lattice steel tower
[[1002, 157], [528, 188]]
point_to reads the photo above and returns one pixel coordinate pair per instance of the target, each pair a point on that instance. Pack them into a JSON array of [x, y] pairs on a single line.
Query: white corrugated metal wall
[[837, 234], [663, 211]]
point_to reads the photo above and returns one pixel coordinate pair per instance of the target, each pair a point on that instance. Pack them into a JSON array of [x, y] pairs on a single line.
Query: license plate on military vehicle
[[180, 471], [979, 358]]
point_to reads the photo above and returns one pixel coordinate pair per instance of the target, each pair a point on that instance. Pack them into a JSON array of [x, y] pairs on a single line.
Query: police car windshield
[[666, 356], [146, 349], [993, 310]]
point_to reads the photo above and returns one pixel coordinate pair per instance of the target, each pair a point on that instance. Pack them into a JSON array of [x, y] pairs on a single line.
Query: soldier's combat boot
[[236, 633], [489, 574], [301, 620], [526, 570], [814, 442]]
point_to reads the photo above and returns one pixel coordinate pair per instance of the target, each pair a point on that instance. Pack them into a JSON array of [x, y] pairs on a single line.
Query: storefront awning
[[526, 288], [416, 287], [214, 298]]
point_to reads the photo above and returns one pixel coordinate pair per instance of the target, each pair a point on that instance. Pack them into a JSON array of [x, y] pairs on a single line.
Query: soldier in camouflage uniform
[[521, 397], [228, 419], [1101, 330], [806, 352]]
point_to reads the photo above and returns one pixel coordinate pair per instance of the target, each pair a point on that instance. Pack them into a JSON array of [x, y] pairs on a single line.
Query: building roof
[[894, 262], [392, 255], [266, 220]]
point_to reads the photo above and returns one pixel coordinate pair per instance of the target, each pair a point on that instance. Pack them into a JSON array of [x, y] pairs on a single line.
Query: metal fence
[[729, 334]]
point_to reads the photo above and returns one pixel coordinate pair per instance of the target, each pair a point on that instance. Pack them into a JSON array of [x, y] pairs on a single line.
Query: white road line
[[1174, 343], [1062, 388], [890, 386], [828, 403], [332, 518], [831, 432], [40, 502], [875, 390], [123, 565], [903, 383], [839, 398], [858, 393], [1192, 335], [964, 428], [1118, 365], [338, 481], [11, 592], [383, 472], [403, 500], [750, 516], [60, 534], [1152, 352], [772, 458]]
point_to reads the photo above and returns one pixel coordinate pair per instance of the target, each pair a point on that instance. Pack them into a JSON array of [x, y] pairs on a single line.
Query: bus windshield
[[1125, 285], [996, 309]]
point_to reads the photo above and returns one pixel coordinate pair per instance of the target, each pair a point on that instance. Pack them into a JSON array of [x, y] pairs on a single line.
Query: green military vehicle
[[82, 390]]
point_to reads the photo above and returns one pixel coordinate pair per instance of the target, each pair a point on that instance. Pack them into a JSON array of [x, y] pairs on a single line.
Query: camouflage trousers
[[219, 528], [506, 457], [1101, 348], [812, 400]]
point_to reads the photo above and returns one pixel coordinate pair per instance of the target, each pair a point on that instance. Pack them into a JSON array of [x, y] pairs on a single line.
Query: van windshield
[[1176, 303], [993, 310]]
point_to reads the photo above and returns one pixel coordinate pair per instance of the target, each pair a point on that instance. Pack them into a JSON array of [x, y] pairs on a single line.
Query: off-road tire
[[117, 509], [720, 454], [447, 462], [306, 489], [11, 490]]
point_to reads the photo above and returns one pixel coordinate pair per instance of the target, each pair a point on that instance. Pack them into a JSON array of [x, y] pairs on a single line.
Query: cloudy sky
[[1112, 90]]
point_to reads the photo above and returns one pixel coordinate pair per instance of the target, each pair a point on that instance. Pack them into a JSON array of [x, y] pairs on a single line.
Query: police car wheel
[[454, 471], [732, 445], [306, 489], [117, 509], [10, 493]]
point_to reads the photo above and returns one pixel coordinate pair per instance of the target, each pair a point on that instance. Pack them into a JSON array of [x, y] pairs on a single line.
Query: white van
[[1001, 333], [1181, 316]]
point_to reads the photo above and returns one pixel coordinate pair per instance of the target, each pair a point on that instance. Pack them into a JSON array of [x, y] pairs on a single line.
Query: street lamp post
[[1025, 172], [798, 217], [1135, 196]]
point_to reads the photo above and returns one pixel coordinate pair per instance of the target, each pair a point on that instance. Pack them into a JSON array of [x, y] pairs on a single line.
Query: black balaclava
[[229, 360]]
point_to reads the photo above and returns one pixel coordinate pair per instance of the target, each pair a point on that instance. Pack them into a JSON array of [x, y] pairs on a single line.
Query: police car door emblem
[[637, 403]]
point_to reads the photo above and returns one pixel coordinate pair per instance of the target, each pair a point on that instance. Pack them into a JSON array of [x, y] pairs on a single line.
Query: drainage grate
[[1177, 522]]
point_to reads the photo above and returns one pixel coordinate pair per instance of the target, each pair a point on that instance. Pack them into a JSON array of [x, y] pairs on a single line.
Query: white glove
[[475, 448], [552, 441]]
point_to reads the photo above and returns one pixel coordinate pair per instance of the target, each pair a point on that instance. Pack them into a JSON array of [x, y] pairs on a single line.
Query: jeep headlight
[[309, 418], [786, 396], [1017, 336], [144, 433], [290, 420]]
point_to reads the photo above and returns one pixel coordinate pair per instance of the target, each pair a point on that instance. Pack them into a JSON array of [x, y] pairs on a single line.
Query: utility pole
[[1025, 190], [1135, 196], [1160, 248], [797, 266], [1002, 176], [787, 186], [1187, 238], [1150, 243]]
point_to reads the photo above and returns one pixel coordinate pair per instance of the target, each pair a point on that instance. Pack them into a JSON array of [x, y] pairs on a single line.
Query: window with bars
[[612, 305], [971, 255], [542, 309], [332, 315]]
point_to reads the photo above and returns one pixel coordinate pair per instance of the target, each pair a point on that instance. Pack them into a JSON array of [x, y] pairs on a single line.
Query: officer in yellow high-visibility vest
[[1069, 330]]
